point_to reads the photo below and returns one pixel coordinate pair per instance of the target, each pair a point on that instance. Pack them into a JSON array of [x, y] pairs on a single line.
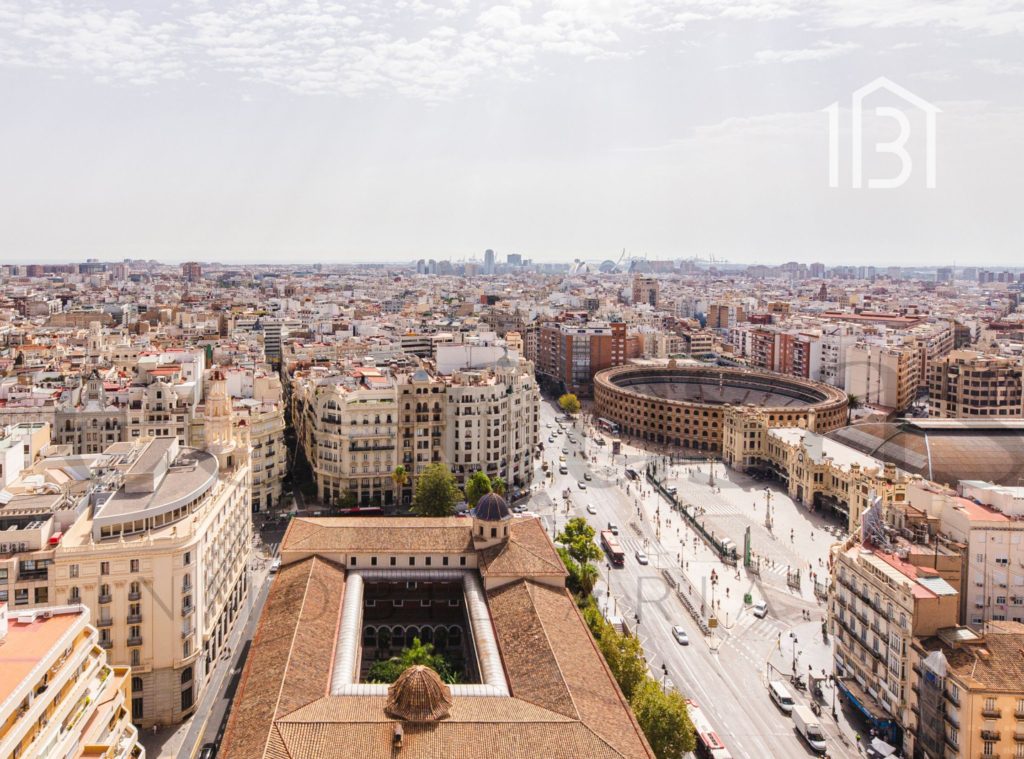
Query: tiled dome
[[418, 695], [492, 508]]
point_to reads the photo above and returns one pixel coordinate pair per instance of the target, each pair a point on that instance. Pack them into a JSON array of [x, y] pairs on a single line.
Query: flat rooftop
[[25, 646]]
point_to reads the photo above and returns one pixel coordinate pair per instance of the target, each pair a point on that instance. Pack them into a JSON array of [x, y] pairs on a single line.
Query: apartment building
[[155, 538], [58, 695], [645, 291], [967, 695], [883, 375], [882, 599], [356, 426], [968, 383], [723, 315], [570, 353]]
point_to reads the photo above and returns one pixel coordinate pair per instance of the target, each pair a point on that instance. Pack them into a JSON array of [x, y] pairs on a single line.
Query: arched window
[[186, 675]]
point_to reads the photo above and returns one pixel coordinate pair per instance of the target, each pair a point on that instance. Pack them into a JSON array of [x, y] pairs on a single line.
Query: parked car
[[586, 476], [680, 635], [582, 485], [208, 751], [591, 509], [641, 558], [760, 610], [274, 566]]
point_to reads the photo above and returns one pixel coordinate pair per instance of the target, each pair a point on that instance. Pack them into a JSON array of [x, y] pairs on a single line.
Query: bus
[[607, 425], [709, 745], [611, 546]]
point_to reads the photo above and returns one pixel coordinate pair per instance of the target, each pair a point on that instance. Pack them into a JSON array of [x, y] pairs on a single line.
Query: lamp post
[[768, 509]]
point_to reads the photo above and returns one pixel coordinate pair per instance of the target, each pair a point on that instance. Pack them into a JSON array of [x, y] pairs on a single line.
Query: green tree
[[346, 500], [436, 492], [498, 485], [578, 537], [388, 670], [477, 486], [664, 720], [569, 403], [853, 402], [587, 578], [625, 657]]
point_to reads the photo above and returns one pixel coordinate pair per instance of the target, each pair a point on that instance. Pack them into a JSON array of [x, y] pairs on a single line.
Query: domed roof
[[492, 508], [418, 695]]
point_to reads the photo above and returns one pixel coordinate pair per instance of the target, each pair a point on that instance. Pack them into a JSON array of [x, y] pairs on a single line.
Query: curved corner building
[[685, 406]]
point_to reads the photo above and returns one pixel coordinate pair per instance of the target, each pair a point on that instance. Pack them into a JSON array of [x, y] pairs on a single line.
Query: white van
[[781, 696]]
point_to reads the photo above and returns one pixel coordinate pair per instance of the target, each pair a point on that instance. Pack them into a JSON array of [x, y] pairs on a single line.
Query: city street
[[727, 672]]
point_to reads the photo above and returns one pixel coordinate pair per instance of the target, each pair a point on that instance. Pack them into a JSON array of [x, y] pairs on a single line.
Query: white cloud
[[820, 52], [1003, 68]]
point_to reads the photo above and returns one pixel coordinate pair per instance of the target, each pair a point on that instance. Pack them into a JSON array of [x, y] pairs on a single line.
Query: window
[[136, 657], [186, 649], [134, 565], [352, 561], [462, 561], [137, 712], [186, 583], [186, 698], [72, 570], [104, 567], [187, 558], [73, 595], [394, 561], [373, 561], [412, 561], [186, 675], [444, 561]]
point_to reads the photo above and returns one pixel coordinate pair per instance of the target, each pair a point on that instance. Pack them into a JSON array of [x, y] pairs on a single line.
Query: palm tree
[[399, 476], [498, 485], [587, 578], [852, 402]]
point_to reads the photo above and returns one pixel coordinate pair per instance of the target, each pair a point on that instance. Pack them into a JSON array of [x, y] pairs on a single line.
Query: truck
[[809, 728]]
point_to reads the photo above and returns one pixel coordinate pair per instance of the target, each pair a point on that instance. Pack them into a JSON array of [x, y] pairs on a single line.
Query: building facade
[[971, 384]]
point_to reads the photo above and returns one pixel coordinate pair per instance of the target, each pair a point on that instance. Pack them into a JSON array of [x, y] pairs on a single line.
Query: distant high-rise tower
[[514, 259], [192, 271], [488, 261]]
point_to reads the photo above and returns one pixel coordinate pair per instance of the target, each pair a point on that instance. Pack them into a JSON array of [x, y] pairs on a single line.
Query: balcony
[[134, 595], [991, 755], [990, 735], [1019, 736], [104, 622], [107, 644], [186, 610], [954, 700], [186, 634], [993, 712], [134, 619], [105, 598], [135, 641], [952, 744]]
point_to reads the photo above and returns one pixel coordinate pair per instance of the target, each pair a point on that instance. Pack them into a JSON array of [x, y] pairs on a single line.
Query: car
[[275, 565], [582, 485], [551, 440], [599, 440], [760, 610], [562, 457], [548, 425], [565, 451], [586, 476], [208, 751], [680, 635], [518, 509], [563, 469], [591, 508], [613, 528], [572, 440], [641, 558]]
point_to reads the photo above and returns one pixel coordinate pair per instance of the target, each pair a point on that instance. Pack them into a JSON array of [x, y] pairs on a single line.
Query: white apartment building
[[58, 695], [154, 538]]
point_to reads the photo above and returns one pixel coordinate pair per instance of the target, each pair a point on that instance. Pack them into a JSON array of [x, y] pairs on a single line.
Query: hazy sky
[[352, 131]]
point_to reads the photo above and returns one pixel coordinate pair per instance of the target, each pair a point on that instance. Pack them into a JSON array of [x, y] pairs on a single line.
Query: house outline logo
[[896, 147]]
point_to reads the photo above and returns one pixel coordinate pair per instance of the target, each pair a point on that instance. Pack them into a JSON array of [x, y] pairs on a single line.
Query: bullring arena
[[685, 406]]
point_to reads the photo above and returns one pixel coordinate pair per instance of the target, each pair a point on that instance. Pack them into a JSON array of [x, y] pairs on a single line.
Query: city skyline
[[560, 130]]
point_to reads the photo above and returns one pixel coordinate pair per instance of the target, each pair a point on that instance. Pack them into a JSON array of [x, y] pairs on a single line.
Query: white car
[[760, 610], [680, 635], [591, 509], [274, 566], [641, 558], [582, 485]]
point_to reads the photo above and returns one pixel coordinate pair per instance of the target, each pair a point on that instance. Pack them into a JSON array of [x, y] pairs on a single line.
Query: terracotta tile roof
[[595, 695], [527, 552], [1001, 669], [382, 534], [289, 662]]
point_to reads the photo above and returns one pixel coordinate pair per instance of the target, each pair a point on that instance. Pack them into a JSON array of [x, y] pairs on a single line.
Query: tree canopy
[[477, 486], [388, 670], [664, 719], [436, 492], [578, 538], [569, 403]]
